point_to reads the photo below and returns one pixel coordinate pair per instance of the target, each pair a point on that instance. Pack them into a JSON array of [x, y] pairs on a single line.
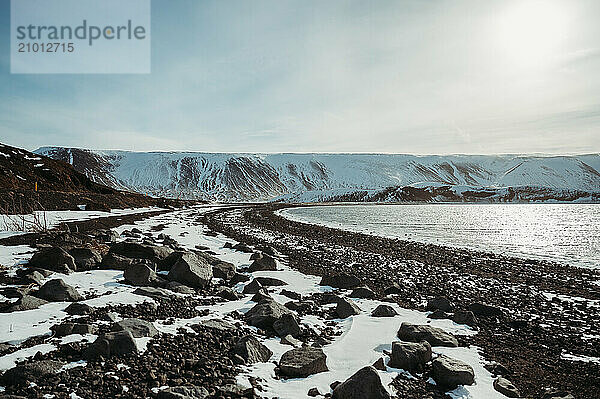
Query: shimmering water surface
[[568, 233]]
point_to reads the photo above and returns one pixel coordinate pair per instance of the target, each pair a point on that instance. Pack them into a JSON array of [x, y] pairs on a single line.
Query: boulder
[[251, 350], [58, 291], [384, 311], [439, 303], [85, 258], [136, 250], [191, 270], [153, 292], [140, 274], [449, 373], [256, 255], [270, 281], [217, 324], [481, 309], [506, 388], [302, 362], [227, 293], [287, 324], [183, 392], [557, 394], [343, 280], [291, 294], [26, 302], [379, 364], [417, 333], [113, 343], [252, 288], [242, 248], [224, 270], [313, 392], [464, 317], [393, 289], [264, 314], [79, 308], [362, 292], [180, 288], [21, 374], [64, 329], [289, 340], [346, 308], [410, 356], [364, 384], [33, 277], [137, 327], [238, 278], [53, 258], [438, 314], [266, 262], [261, 296], [116, 262]]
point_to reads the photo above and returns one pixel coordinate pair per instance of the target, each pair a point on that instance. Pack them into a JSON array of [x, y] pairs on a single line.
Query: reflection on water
[[568, 233]]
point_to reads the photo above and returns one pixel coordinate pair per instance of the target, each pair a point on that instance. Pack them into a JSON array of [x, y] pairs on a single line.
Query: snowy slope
[[221, 176]]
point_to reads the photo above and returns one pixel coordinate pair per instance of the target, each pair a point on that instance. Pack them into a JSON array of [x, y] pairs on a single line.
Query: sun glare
[[531, 32]]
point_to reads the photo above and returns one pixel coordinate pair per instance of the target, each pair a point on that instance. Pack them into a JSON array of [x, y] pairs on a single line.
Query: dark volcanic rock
[[253, 287], [291, 294], [439, 303], [238, 278], [464, 317], [287, 325], [251, 350], [270, 281], [19, 375], [218, 325], [140, 273], [450, 373], [136, 250], [26, 302], [384, 311], [346, 308], [364, 384], [153, 292], [113, 343], [242, 248], [64, 329], [261, 296], [191, 270], [506, 388], [54, 259], [85, 258], [554, 394], [410, 356], [137, 327], [58, 291], [266, 262], [417, 333], [78, 308], [227, 293], [183, 392], [264, 314], [224, 270], [302, 362], [343, 280], [179, 288], [438, 314], [480, 309], [116, 262], [362, 292]]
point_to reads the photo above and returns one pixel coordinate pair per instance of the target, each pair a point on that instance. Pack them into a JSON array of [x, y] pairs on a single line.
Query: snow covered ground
[[362, 342]]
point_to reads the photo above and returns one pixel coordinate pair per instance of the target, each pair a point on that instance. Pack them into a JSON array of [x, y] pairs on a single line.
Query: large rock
[[191, 270], [506, 388], [26, 302], [58, 291], [252, 287], [364, 384], [557, 394], [410, 356], [153, 292], [79, 308], [137, 327], [265, 262], [465, 317], [302, 362], [346, 308], [450, 373], [64, 329], [20, 375], [270, 281], [217, 324], [481, 309], [54, 258], [140, 273], [343, 280], [251, 350], [264, 314], [384, 311], [417, 333], [113, 343], [183, 392], [362, 292], [117, 262], [224, 270], [136, 250], [287, 325], [85, 258], [439, 303]]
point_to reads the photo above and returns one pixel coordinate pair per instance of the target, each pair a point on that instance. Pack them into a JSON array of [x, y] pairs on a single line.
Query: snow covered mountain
[[243, 177]]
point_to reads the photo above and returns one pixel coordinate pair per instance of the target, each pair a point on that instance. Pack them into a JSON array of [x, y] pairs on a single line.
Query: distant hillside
[[59, 185], [234, 177]]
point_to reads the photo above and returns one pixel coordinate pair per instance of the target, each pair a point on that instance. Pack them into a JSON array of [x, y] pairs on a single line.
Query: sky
[[422, 77]]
